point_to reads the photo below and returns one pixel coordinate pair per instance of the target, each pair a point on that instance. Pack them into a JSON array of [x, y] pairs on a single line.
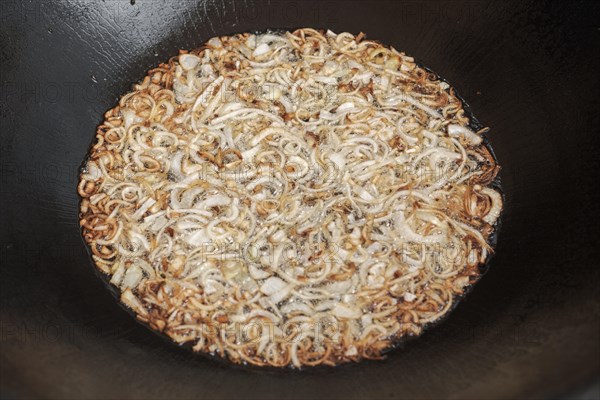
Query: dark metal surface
[[528, 69]]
